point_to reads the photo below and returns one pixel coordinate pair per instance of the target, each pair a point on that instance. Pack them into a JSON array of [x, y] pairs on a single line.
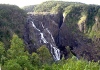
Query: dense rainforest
[[71, 24]]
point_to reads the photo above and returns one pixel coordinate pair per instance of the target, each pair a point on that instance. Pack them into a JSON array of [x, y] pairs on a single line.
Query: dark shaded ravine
[[61, 46]]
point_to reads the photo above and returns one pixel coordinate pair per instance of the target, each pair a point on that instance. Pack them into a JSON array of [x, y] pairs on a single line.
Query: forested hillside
[[12, 20], [86, 13], [49, 6], [34, 41]]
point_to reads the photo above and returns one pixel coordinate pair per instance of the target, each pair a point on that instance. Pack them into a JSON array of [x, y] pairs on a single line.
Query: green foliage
[[2, 49], [29, 8], [16, 58], [17, 55], [82, 19], [16, 48], [24, 62], [19, 59], [92, 11], [50, 6], [2, 52], [44, 54], [12, 65], [73, 64], [77, 14], [71, 17], [34, 59], [67, 10], [12, 20], [57, 8], [94, 34], [46, 6], [16, 43]]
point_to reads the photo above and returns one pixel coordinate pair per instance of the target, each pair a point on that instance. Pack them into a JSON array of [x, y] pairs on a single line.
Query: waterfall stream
[[50, 34], [35, 27], [42, 38], [54, 50]]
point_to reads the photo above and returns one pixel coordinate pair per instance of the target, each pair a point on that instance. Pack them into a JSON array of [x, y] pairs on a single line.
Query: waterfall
[[50, 34], [35, 27], [42, 38], [56, 54], [54, 50]]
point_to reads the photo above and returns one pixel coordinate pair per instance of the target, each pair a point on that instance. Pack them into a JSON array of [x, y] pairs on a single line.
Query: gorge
[[68, 25], [53, 35], [61, 26], [49, 29]]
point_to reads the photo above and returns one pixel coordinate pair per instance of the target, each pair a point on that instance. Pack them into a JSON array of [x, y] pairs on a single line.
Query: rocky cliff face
[[49, 29]]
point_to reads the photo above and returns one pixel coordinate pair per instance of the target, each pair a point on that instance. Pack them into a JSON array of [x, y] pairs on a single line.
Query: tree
[[34, 59], [24, 62], [12, 19], [16, 47], [44, 54], [12, 65], [2, 52], [17, 56]]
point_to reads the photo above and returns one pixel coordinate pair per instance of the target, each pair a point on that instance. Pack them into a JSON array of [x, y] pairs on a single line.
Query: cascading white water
[[42, 37], [56, 54], [54, 51], [35, 27], [50, 34]]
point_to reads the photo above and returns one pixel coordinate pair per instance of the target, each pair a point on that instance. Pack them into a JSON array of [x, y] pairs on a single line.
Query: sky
[[22, 3]]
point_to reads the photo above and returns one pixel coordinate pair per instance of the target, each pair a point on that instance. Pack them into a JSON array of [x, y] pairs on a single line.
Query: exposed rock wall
[[64, 35]]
